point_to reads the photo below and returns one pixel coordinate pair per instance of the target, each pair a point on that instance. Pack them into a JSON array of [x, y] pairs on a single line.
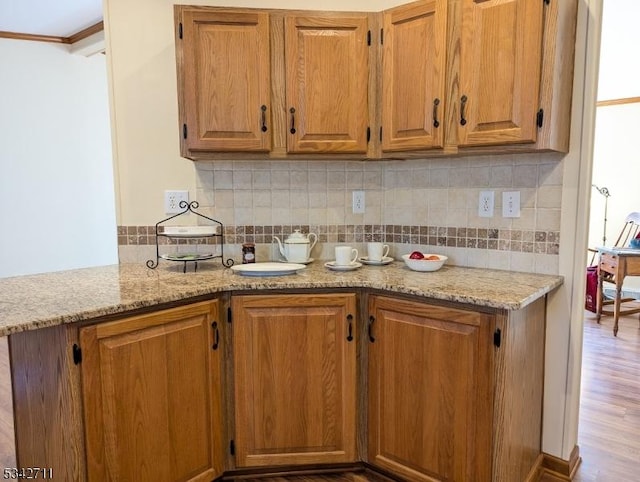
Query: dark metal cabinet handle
[[293, 121], [350, 320], [463, 103], [264, 118], [216, 335], [371, 321], [436, 122]]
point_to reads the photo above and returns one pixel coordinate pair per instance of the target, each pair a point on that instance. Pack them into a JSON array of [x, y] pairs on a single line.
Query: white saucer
[[366, 260], [310, 260], [349, 267]]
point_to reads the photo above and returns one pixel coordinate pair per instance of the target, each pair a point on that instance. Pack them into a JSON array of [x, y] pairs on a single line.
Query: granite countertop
[[37, 301]]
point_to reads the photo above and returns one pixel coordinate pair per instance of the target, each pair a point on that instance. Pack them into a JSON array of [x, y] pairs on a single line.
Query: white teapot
[[297, 247]]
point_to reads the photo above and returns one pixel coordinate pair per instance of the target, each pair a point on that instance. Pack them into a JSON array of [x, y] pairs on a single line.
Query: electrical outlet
[[172, 201], [511, 204], [358, 202], [485, 204]]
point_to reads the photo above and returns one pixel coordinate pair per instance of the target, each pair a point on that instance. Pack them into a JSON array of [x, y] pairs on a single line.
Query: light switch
[[511, 204]]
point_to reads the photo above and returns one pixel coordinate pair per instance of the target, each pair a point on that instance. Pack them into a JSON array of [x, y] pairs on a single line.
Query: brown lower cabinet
[[430, 390], [455, 394], [151, 395], [423, 391], [295, 379]]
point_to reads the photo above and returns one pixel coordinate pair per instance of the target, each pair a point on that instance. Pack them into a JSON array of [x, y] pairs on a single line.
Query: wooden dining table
[[614, 265]]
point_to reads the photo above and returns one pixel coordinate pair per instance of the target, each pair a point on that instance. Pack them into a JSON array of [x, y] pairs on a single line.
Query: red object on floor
[[592, 289]]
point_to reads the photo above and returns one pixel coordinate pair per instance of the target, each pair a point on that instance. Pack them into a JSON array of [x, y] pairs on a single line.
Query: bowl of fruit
[[419, 261]]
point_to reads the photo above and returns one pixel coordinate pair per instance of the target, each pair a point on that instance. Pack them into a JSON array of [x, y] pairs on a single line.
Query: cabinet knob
[[293, 121], [350, 328], [216, 335], [436, 103], [371, 321], [463, 103], [264, 118]]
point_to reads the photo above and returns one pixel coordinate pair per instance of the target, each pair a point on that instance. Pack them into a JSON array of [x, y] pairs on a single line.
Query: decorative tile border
[[525, 241]]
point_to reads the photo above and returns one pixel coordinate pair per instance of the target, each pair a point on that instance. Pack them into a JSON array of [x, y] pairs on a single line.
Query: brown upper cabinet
[[500, 61], [506, 67], [429, 78], [413, 76], [225, 81], [273, 83], [327, 73]]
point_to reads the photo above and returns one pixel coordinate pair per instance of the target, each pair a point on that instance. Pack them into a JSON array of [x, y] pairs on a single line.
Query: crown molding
[[627, 100], [82, 34], [87, 32]]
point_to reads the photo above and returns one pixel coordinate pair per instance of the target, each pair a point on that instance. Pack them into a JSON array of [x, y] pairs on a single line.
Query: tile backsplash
[[408, 204]]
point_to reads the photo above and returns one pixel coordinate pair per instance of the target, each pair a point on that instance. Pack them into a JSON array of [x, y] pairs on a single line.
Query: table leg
[[616, 307]]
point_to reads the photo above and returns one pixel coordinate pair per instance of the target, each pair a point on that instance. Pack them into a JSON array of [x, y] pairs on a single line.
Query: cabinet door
[[413, 75], [225, 81], [500, 62], [327, 71], [295, 374], [151, 391], [430, 391]]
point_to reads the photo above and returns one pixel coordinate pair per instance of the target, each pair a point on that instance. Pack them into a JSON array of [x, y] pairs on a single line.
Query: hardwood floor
[[609, 432]]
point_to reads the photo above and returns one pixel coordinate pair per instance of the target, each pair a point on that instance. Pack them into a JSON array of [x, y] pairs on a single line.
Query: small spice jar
[[248, 253]]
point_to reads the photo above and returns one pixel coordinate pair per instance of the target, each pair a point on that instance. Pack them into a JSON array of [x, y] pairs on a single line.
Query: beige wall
[[55, 160], [615, 166], [143, 82]]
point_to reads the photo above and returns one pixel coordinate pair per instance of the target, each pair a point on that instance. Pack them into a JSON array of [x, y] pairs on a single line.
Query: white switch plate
[[358, 202], [172, 201], [511, 204], [485, 204]]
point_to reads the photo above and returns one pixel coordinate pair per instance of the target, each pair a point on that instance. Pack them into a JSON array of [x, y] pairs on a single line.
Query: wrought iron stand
[[190, 258]]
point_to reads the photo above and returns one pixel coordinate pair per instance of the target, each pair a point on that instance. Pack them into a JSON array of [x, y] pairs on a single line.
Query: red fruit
[[416, 255]]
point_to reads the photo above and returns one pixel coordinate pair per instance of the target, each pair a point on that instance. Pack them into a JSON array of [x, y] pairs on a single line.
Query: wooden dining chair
[[629, 231]]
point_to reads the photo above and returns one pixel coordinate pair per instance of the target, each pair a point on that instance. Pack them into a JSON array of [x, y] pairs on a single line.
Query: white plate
[[187, 256], [310, 260], [350, 267], [366, 260], [189, 231], [267, 269]]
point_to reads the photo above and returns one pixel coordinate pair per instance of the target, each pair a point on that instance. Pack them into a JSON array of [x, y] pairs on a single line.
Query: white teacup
[[345, 255], [377, 251]]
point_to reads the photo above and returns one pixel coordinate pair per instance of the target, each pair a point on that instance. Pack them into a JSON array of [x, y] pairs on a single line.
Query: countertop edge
[[222, 283]]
